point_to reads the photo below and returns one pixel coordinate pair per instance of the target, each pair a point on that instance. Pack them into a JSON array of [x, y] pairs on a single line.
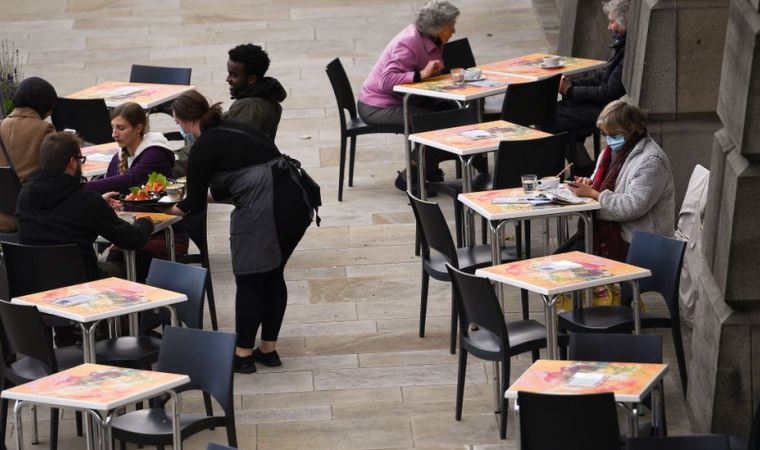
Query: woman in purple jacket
[[415, 54], [142, 153]]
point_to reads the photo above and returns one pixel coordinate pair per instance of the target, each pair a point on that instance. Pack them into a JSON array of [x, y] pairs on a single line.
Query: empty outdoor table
[[550, 276], [531, 66], [99, 391], [629, 382], [89, 303], [442, 87], [147, 95]]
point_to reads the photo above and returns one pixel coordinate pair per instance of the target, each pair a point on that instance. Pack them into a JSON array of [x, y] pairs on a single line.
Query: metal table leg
[[88, 355], [468, 223], [421, 172], [130, 262], [635, 306], [177, 444], [17, 408], [407, 144], [169, 235], [550, 317]]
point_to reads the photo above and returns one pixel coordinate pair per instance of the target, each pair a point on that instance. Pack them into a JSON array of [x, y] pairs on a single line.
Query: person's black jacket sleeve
[[597, 90], [117, 231]]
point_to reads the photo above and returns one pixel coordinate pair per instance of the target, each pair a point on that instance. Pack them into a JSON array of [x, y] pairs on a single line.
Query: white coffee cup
[[551, 61], [548, 183], [472, 73]]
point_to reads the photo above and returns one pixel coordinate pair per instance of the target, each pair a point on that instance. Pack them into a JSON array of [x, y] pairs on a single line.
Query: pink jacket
[[407, 52]]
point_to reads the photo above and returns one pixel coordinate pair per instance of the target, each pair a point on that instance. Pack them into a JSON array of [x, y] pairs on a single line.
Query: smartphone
[[572, 183]]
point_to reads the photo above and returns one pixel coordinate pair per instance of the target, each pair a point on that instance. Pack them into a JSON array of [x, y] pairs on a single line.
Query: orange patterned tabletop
[[101, 299], [531, 66], [563, 272], [146, 95], [481, 202], [96, 387], [98, 158], [442, 87], [630, 382], [476, 138]]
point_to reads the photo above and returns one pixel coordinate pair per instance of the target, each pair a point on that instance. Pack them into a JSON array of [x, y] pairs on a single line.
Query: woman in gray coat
[[632, 182]]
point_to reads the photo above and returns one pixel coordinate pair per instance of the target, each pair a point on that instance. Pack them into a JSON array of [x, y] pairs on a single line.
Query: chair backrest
[[458, 53], [188, 280], [543, 156], [10, 186], [89, 117], [663, 256], [342, 88], [533, 103], [699, 442], [206, 356], [477, 304], [36, 268], [435, 232], [160, 75], [443, 119], [642, 348], [25, 334], [578, 422]]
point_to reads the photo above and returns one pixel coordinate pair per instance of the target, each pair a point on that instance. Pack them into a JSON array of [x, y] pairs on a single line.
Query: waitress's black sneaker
[[244, 364], [271, 359]]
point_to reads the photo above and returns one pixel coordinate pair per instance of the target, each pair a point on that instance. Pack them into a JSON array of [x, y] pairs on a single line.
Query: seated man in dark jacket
[[53, 208], [584, 98]]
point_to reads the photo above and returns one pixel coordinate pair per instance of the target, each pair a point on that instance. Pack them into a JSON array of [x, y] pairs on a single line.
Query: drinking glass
[[457, 77], [529, 182]]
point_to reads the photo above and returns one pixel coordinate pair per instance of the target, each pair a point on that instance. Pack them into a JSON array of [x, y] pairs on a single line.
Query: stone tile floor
[[355, 373]]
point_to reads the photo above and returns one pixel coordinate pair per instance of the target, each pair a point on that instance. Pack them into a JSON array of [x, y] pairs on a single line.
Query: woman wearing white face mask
[[632, 182]]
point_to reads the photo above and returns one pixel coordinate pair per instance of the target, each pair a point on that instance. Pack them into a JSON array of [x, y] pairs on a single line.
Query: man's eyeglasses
[[81, 159]]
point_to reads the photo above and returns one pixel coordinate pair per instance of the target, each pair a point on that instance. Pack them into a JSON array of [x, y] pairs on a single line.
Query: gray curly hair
[[434, 15], [617, 9]]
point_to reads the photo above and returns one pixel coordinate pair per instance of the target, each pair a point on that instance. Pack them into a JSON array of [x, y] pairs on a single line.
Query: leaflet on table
[[562, 195], [74, 300], [127, 90], [99, 157], [585, 380], [536, 200], [556, 266]]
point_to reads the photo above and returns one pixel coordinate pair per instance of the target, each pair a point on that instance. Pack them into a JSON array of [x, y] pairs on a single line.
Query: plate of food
[[151, 192]]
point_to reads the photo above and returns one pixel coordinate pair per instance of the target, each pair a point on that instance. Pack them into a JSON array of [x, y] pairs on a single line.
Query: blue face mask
[[616, 142], [189, 138]]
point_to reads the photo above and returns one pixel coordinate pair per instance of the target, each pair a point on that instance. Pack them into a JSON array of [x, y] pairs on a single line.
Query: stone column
[[583, 29], [723, 387]]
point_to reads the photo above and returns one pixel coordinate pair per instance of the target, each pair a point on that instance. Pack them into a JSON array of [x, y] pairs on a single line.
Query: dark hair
[[35, 93], [253, 58], [57, 149], [134, 115], [192, 106]]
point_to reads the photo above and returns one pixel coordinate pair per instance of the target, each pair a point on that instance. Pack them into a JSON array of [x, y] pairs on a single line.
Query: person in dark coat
[[584, 98], [240, 164], [54, 209]]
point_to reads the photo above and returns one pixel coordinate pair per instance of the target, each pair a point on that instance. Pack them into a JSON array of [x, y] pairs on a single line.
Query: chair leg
[[54, 413], [483, 231], [678, 344], [342, 166], [351, 159], [231, 432], [454, 322], [504, 403], [423, 300], [211, 303], [3, 421], [78, 421], [459, 223], [207, 404], [461, 372], [527, 239]]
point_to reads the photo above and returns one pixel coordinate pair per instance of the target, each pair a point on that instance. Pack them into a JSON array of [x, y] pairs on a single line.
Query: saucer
[[480, 78], [558, 66]]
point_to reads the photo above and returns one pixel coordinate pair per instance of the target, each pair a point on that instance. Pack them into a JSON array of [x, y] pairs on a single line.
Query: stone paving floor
[[355, 373]]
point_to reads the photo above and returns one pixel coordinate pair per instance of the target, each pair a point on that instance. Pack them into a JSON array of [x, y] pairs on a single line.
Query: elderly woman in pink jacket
[[415, 54]]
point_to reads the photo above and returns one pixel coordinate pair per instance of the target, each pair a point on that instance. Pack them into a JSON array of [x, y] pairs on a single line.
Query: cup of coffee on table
[[473, 73], [551, 61]]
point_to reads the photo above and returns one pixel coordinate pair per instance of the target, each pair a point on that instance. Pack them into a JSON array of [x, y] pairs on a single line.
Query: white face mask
[[615, 142], [189, 138]]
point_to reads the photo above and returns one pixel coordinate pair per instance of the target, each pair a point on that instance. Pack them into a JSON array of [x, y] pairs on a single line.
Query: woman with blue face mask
[[632, 182]]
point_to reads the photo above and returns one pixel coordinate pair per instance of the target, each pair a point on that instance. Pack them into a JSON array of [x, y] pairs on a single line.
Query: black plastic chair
[[198, 230], [435, 235], [699, 442], [10, 186], [568, 422], [207, 357], [458, 53], [644, 348], [89, 117], [663, 256], [492, 339], [532, 104], [352, 126], [160, 75], [141, 351], [447, 119], [28, 354]]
